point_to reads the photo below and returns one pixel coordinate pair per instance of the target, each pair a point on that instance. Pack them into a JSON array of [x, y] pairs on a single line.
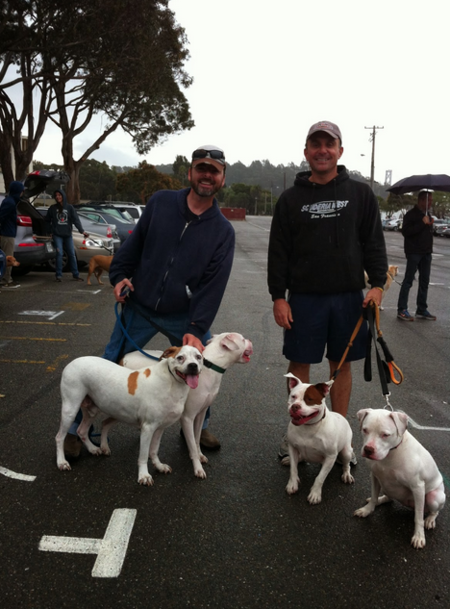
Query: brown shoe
[[72, 446], [208, 441]]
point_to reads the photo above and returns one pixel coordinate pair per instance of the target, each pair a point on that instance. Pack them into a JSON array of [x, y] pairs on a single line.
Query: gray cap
[[326, 127]]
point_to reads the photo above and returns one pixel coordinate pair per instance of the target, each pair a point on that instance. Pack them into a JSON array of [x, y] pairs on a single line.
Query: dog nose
[[192, 369], [369, 450], [295, 408]]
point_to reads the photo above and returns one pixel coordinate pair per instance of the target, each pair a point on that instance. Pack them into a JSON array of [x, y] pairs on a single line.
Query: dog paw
[[146, 480], [106, 451], [202, 458], [418, 541], [163, 468], [430, 521], [285, 461], [64, 465], [363, 512], [314, 497], [200, 473], [347, 478], [292, 487]]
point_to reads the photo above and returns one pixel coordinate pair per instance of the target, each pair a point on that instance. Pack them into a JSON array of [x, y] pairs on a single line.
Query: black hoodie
[[324, 236], [60, 220]]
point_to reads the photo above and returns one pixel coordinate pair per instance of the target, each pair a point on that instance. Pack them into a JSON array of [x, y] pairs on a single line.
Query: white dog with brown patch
[[401, 469], [316, 434], [221, 352], [150, 399]]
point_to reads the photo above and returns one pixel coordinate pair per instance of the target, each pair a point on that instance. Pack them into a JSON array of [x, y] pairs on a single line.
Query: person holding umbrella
[[418, 244]]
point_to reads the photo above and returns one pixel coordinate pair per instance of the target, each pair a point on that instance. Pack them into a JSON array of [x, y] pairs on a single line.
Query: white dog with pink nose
[[401, 469]]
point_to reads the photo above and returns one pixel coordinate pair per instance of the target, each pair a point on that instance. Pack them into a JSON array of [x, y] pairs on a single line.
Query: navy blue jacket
[[60, 221], [177, 265], [8, 210]]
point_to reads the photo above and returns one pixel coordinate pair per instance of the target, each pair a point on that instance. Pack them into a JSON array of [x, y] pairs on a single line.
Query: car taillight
[[24, 221], [31, 244], [109, 232]]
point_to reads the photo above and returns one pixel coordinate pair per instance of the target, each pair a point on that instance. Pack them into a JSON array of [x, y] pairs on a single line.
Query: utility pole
[[372, 165]]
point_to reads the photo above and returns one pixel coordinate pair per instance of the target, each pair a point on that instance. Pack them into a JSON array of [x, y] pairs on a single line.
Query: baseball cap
[[209, 154], [327, 127]]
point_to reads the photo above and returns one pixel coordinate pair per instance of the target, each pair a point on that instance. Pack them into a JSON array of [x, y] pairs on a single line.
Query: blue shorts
[[325, 320]]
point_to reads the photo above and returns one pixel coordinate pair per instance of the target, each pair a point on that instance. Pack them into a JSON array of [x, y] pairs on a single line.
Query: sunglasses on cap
[[217, 155]]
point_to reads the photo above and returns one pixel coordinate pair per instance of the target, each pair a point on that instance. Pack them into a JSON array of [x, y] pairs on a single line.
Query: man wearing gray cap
[[325, 232], [172, 271]]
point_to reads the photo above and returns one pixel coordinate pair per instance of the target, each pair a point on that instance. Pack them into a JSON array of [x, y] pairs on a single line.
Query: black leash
[[386, 369]]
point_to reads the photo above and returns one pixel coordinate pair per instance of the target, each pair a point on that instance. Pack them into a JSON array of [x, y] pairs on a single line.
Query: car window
[[94, 217], [119, 215]]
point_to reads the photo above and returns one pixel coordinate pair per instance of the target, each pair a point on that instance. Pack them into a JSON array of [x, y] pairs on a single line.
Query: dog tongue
[[192, 381]]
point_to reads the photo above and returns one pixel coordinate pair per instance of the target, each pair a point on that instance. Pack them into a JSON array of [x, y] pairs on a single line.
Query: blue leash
[[126, 335]]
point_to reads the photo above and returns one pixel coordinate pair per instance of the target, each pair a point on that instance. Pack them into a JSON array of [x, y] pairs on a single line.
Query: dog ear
[[400, 421], [170, 352], [293, 380], [229, 343], [324, 388], [361, 414]]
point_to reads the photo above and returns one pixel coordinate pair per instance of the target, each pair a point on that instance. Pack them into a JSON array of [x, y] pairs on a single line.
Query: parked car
[[85, 248], [446, 232], [109, 215], [97, 226], [439, 227], [131, 209], [33, 245], [394, 224]]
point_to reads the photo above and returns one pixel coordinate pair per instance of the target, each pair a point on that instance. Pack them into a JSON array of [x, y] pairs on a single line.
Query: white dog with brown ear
[[401, 469], [221, 352], [151, 399], [316, 434]]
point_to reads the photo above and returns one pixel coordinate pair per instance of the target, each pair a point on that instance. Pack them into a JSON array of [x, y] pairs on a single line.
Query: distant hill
[[277, 178]]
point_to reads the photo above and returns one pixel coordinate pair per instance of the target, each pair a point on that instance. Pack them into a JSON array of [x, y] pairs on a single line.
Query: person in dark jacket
[[60, 219], [325, 232], [174, 267], [8, 226], [418, 233]]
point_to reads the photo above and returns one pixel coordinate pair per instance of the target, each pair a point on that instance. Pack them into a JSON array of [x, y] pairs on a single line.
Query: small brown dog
[[11, 261], [391, 273], [98, 264]]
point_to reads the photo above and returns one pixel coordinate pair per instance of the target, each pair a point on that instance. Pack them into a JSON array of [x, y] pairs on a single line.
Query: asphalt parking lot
[[93, 536]]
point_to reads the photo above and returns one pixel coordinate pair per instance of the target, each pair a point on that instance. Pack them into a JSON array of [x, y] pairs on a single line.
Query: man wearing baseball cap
[[325, 232], [172, 271]]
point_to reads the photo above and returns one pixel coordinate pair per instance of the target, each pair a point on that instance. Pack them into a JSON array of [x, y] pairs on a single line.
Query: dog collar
[[394, 447], [209, 364]]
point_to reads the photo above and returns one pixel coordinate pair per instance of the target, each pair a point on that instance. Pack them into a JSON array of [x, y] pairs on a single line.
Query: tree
[[180, 169], [122, 59], [144, 181]]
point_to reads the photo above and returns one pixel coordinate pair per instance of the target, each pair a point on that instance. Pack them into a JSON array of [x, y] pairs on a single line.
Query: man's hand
[[282, 313], [120, 287], [374, 294], [428, 220], [193, 341]]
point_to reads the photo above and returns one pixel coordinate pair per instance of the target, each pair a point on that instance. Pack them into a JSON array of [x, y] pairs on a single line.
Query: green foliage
[[180, 170], [80, 58], [143, 182]]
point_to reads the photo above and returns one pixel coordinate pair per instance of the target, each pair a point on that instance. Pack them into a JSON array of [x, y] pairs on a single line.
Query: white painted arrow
[[110, 550]]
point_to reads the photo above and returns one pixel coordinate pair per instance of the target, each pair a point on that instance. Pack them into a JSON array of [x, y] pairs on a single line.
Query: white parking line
[[11, 474], [110, 550]]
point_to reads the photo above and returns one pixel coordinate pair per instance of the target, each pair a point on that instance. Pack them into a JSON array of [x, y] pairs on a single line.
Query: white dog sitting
[[316, 434], [221, 352], [150, 399], [401, 469]]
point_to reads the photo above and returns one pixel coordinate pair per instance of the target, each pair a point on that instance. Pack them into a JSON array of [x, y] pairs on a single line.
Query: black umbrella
[[413, 183]]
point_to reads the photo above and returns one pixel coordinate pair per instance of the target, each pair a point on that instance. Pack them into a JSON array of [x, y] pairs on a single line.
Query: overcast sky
[[264, 72]]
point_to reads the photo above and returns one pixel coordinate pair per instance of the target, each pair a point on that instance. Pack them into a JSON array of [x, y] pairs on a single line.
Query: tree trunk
[[6, 160]]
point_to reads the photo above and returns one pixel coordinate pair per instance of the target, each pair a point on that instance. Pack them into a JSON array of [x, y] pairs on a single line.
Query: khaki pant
[[7, 245]]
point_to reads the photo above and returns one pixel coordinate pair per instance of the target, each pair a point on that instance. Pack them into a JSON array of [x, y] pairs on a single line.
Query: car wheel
[[65, 263]]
